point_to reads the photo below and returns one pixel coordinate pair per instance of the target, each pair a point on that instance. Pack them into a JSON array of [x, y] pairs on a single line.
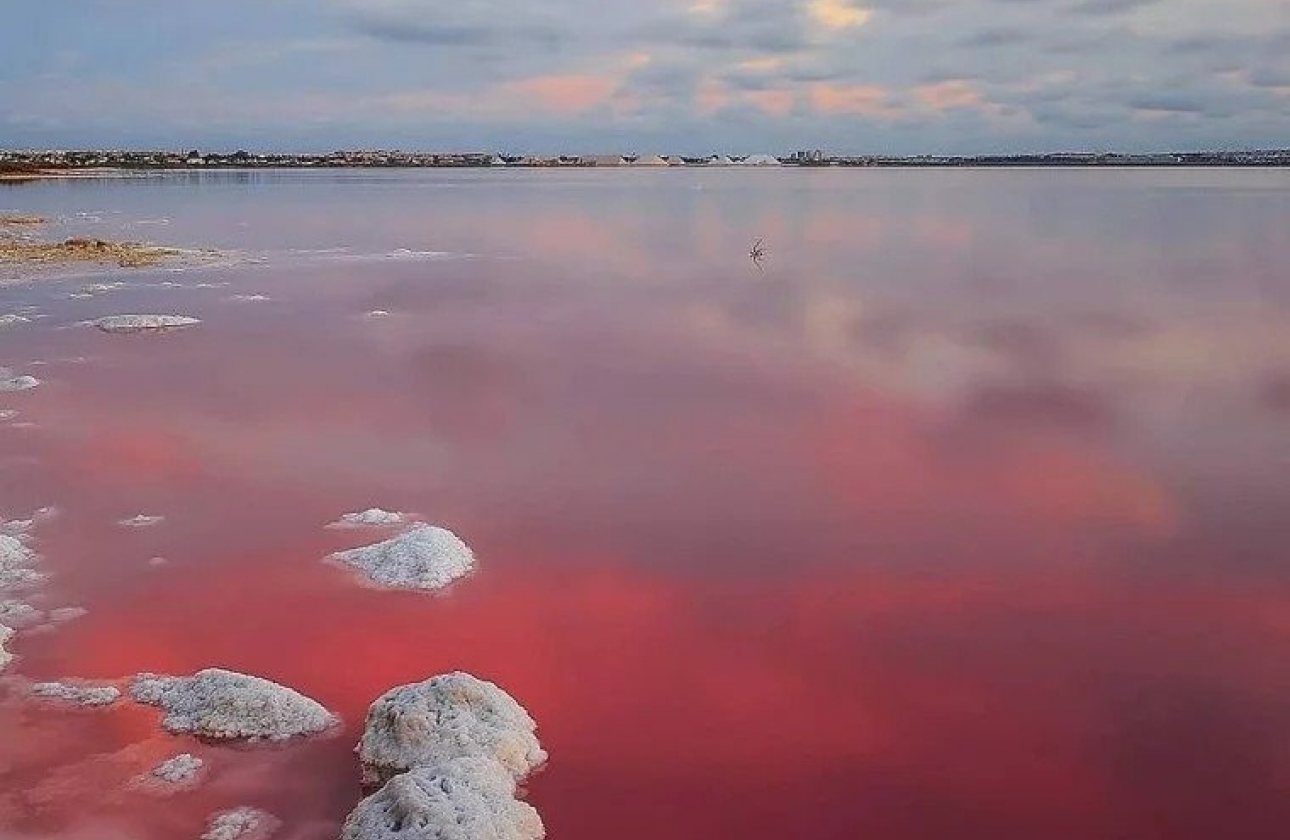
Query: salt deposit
[[462, 799], [378, 313], [16, 561], [141, 521], [8, 414], [370, 518], [180, 770], [143, 323], [446, 717], [81, 695], [12, 383], [18, 615], [247, 298], [220, 704], [241, 824], [10, 319], [424, 557], [6, 633]]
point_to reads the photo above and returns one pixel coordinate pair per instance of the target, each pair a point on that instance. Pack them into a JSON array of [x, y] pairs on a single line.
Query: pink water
[[965, 517]]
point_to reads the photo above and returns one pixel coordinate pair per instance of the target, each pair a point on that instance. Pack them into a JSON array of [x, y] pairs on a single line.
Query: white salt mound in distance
[[424, 557], [141, 521], [241, 824], [6, 633], [16, 561], [370, 518], [180, 770], [82, 695], [143, 323], [451, 716], [220, 704], [11, 382], [462, 799]]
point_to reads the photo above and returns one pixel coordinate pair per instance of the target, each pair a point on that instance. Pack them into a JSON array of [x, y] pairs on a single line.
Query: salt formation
[[240, 824], [8, 414], [378, 313], [17, 615], [81, 695], [11, 382], [220, 704], [171, 776], [446, 755], [370, 518], [450, 716], [424, 557], [141, 521], [143, 323], [16, 561], [6, 633], [463, 799], [10, 319], [246, 298]]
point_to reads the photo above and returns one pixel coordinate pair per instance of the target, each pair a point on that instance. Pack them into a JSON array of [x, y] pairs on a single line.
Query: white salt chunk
[[370, 518], [424, 557], [81, 695], [180, 770], [220, 704], [141, 521], [241, 824], [143, 323], [461, 799], [6, 633], [446, 717]]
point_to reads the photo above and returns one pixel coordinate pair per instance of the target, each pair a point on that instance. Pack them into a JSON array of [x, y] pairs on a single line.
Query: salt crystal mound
[[226, 705], [143, 323], [11, 383], [18, 615], [10, 319], [462, 799], [141, 521], [16, 561], [241, 824], [446, 717], [90, 696], [424, 557], [180, 770], [370, 518], [6, 657]]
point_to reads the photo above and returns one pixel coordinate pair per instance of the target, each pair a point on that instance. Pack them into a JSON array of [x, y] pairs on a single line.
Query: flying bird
[[757, 253]]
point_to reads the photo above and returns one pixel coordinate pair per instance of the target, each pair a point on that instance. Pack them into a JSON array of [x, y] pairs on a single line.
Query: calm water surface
[[966, 517]]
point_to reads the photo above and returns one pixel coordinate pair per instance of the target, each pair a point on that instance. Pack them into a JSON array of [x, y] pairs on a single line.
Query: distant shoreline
[[35, 165]]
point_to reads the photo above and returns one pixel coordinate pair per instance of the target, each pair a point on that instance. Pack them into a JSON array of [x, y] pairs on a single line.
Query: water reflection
[[963, 519]]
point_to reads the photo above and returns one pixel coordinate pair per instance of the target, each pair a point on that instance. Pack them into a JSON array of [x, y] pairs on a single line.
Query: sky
[[671, 76]]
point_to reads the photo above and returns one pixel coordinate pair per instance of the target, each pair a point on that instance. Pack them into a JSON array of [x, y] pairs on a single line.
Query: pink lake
[[964, 516]]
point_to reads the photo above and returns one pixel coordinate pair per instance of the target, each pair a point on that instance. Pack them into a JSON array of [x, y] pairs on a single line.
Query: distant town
[[36, 162]]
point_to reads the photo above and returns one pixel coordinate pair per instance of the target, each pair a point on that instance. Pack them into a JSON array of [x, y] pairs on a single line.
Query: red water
[[964, 518]]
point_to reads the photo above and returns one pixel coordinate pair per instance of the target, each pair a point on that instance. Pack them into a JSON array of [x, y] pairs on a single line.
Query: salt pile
[[450, 716], [447, 755], [241, 824], [424, 557], [141, 521], [247, 298], [464, 799], [6, 633], [10, 319], [370, 518], [179, 771], [12, 383], [16, 562], [143, 323], [82, 695], [220, 704]]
